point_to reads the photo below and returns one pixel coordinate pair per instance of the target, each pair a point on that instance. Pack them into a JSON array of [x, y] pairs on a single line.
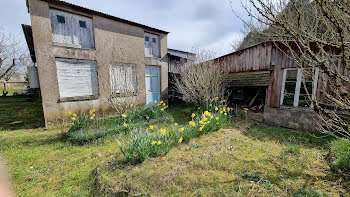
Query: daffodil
[[217, 118], [180, 140], [205, 119], [221, 111], [151, 127], [216, 98], [225, 114], [131, 105], [92, 117], [151, 101], [159, 142], [193, 124], [162, 109], [73, 118], [216, 108], [70, 113], [75, 115], [182, 129], [125, 125], [193, 115], [155, 101], [176, 124], [147, 130], [154, 142], [163, 131], [200, 129], [124, 115], [210, 105], [161, 102]]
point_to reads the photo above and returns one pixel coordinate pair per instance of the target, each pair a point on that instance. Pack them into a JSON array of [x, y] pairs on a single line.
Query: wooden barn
[[263, 78]]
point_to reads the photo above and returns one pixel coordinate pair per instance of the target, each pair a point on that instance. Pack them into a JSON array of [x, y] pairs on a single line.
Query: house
[[83, 55], [176, 59], [264, 76]]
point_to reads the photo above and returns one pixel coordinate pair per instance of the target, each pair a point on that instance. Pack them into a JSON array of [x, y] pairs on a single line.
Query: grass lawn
[[244, 159], [11, 91], [20, 112]]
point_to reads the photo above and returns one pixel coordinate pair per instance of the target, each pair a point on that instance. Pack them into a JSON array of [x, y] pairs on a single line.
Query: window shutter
[[76, 78]]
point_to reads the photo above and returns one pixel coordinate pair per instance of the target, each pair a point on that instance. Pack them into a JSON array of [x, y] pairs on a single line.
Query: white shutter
[[152, 45], [76, 77], [70, 33], [123, 78]]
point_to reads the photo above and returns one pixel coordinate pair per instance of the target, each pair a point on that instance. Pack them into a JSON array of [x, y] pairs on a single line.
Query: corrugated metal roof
[[97, 13], [182, 54], [27, 30]]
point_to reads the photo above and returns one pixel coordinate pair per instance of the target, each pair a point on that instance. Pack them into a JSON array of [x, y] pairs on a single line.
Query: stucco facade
[[115, 42]]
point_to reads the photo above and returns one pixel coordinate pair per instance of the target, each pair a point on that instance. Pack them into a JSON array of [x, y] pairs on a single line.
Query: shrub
[[341, 151]]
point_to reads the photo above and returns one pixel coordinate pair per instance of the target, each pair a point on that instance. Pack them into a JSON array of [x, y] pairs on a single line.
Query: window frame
[[298, 86], [61, 17], [152, 36], [135, 79]]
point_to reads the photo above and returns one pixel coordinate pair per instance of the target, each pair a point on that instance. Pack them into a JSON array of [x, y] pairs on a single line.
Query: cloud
[[204, 23]]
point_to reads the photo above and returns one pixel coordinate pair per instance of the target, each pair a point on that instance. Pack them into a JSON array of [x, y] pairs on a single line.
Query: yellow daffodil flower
[[216, 108], [217, 118], [176, 124], [70, 113], [125, 125], [151, 127], [163, 131], [124, 115], [73, 118], [131, 105], [154, 142], [182, 129], [193, 124], [151, 101], [75, 115], [159, 142], [216, 98], [193, 115], [180, 140]]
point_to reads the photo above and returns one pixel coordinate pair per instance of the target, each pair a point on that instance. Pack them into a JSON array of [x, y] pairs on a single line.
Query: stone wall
[[291, 117]]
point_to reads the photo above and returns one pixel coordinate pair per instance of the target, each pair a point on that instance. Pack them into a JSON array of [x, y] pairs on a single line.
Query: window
[[152, 45], [76, 77], [61, 19], [294, 92], [71, 30], [123, 79], [82, 24]]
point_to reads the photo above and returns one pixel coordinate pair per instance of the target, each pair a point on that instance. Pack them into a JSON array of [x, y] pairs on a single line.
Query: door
[[152, 84]]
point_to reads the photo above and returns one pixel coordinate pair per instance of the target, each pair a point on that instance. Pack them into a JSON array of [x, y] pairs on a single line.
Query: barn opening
[[248, 89]]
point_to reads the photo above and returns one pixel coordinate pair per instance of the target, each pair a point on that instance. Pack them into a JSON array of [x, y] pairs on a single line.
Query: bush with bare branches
[[201, 80]]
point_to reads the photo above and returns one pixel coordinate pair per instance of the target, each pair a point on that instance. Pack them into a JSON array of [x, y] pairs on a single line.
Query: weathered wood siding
[[76, 78], [71, 33], [251, 59]]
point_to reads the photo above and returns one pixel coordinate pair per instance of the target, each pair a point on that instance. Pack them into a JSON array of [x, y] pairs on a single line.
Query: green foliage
[[87, 128], [341, 151], [144, 143]]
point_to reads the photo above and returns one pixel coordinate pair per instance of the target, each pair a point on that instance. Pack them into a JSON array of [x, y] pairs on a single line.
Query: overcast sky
[[208, 24]]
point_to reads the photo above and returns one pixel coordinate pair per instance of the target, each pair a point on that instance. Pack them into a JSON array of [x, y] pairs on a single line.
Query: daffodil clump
[[86, 127], [152, 142]]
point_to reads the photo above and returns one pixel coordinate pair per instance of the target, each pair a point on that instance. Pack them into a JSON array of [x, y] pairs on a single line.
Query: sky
[[203, 24]]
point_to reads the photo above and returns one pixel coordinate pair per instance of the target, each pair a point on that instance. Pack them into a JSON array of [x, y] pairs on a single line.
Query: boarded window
[[76, 77], [152, 45], [123, 79], [294, 92], [71, 30]]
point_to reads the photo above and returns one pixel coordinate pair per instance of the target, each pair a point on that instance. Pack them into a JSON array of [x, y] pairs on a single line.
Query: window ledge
[[57, 44], [78, 98]]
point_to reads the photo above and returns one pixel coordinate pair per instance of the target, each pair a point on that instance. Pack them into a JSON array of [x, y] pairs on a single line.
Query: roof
[[182, 54], [27, 30], [97, 13]]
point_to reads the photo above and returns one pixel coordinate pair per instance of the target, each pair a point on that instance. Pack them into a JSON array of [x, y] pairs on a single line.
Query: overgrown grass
[[241, 160], [341, 151], [87, 128], [231, 162], [11, 91], [20, 112]]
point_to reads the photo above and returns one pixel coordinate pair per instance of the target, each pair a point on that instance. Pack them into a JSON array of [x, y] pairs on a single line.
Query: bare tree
[[13, 57], [317, 34], [202, 79]]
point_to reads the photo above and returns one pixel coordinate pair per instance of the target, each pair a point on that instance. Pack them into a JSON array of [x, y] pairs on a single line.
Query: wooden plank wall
[[254, 58]]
